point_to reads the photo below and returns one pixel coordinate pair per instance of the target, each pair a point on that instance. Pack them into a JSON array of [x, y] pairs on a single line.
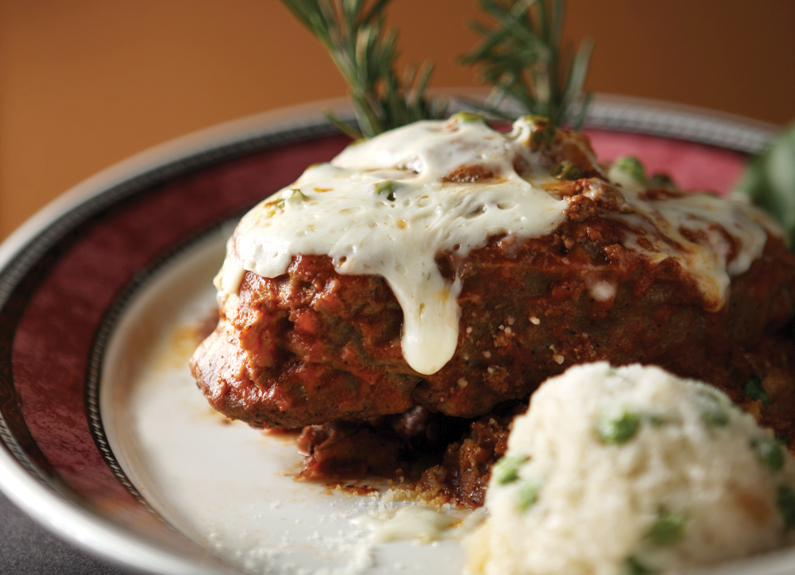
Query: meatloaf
[[622, 270]]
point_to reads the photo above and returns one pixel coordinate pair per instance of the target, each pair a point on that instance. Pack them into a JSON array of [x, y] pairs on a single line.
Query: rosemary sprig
[[522, 57], [365, 54]]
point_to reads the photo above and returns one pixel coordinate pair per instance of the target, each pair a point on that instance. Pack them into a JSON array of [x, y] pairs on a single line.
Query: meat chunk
[[313, 346], [398, 446], [529, 259]]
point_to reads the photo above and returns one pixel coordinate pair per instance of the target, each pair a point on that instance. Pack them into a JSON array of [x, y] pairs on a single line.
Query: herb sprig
[[769, 181], [365, 54], [523, 58]]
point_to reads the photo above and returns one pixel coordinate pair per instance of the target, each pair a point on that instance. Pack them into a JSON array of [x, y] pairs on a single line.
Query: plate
[[104, 437]]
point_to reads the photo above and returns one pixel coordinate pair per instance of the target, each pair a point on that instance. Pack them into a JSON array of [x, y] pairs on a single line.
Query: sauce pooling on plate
[[389, 205]]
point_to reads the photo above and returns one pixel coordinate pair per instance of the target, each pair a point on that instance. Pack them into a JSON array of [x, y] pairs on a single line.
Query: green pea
[[769, 453], [661, 181], [715, 417], [631, 165], [527, 496], [634, 567], [386, 187], [668, 528], [755, 391], [543, 133], [465, 117], [567, 171], [617, 428], [785, 501], [536, 119], [297, 194], [506, 470]]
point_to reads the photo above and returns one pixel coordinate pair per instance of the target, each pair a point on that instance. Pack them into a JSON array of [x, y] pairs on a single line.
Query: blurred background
[[86, 83]]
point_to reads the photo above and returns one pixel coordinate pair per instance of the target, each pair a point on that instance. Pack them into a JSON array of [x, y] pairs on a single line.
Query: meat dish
[[451, 267]]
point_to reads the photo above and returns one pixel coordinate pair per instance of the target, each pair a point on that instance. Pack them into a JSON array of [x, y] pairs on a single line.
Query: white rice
[[697, 481]]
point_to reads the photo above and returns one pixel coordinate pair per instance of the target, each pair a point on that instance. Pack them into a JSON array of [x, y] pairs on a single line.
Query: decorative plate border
[[102, 340], [679, 122], [35, 260]]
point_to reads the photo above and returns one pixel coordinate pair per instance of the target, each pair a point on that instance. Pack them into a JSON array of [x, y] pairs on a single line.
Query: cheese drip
[[387, 207], [670, 224], [381, 208], [707, 261]]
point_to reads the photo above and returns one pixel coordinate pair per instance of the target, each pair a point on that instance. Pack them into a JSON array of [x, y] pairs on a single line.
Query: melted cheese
[[344, 210], [413, 522], [421, 524], [708, 260], [387, 207]]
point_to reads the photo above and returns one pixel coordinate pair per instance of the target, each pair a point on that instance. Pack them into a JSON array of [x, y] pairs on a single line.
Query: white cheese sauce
[[707, 261], [704, 215], [421, 524], [383, 207]]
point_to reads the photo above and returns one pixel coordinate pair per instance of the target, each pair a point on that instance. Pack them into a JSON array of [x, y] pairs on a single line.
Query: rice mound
[[632, 470]]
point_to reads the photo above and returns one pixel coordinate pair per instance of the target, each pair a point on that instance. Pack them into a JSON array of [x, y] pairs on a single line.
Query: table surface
[[26, 547]]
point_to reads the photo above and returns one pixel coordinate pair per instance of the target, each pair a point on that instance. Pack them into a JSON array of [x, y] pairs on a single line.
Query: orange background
[[86, 83]]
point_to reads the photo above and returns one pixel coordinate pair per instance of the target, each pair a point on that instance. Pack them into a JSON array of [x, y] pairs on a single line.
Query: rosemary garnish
[[365, 54], [522, 57]]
